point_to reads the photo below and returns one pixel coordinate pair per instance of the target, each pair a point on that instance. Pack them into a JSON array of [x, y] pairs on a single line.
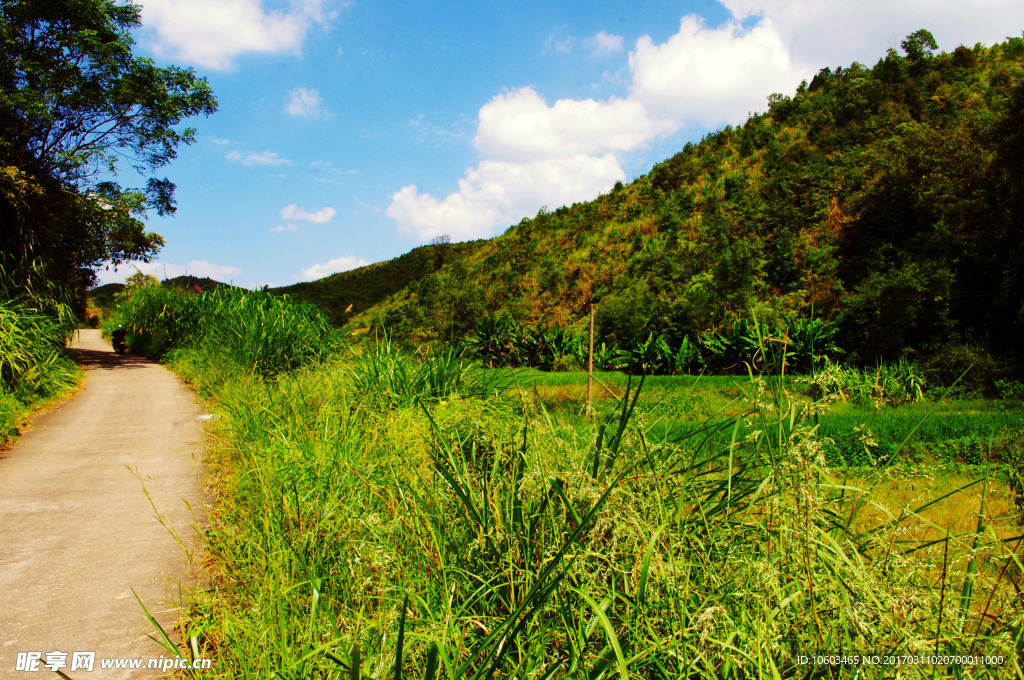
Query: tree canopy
[[75, 105]]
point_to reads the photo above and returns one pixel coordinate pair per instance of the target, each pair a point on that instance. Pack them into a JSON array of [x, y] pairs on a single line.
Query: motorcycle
[[118, 340]]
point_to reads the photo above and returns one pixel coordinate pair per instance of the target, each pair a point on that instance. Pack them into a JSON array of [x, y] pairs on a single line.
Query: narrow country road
[[78, 529]]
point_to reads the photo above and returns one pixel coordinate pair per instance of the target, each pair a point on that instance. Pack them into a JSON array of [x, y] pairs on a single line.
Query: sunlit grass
[[34, 366], [396, 516]]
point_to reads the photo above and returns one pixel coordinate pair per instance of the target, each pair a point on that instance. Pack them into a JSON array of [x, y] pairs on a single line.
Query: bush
[[890, 384], [975, 369], [1010, 390]]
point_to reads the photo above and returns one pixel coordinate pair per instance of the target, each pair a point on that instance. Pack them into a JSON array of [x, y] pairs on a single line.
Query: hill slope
[[343, 295], [888, 199]]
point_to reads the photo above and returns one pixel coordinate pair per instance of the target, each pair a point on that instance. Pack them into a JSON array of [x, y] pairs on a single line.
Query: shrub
[[975, 369], [890, 384]]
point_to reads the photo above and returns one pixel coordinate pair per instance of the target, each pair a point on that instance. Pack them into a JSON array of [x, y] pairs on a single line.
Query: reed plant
[[33, 363], [228, 328]]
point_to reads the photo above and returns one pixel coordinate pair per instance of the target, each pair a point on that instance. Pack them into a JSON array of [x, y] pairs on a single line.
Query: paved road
[[77, 530]]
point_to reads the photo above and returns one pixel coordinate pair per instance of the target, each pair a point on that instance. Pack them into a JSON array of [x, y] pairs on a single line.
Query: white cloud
[[603, 44], [220, 141], [212, 34], [166, 270], [560, 43], [711, 75], [281, 228], [305, 103], [321, 216], [262, 158], [338, 264], [519, 125], [532, 153], [821, 33], [500, 192]]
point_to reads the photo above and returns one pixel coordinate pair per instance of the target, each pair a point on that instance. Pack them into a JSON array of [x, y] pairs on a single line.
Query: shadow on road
[[93, 359]]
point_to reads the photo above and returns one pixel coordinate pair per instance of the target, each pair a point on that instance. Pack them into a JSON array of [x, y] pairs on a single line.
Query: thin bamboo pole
[[590, 366]]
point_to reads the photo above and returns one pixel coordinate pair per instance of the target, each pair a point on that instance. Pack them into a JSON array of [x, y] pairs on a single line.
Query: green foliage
[[252, 331], [624, 318], [35, 327], [74, 102], [888, 200], [134, 283], [797, 345], [886, 384], [499, 341], [32, 359], [158, 320], [391, 377], [1010, 390], [919, 45], [1015, 473]]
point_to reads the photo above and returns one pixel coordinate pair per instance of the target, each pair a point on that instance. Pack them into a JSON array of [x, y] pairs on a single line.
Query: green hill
[[888, 200], [193, 283], [346, 294], [103, 296]]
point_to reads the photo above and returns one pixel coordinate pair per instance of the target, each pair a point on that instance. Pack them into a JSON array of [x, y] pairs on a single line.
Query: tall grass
[[383, 515], [33, 364], [227, 328], [387, 375], [476, 535]]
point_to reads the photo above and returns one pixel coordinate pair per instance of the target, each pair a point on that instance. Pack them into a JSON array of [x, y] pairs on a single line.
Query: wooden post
[[590, 365]]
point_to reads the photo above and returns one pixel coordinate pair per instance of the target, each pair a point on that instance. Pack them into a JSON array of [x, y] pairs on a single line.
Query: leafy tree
[[919, 45], [74, 103], [135, 283]]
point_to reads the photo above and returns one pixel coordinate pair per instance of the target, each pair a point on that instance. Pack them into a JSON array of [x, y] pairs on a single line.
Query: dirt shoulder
[[77, 521]]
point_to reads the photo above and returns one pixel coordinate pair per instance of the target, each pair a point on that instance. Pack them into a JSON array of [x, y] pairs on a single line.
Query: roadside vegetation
[[385, 513], [36, 323]]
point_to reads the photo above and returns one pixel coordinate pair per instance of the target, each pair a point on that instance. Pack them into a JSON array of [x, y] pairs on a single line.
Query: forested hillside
[[887, 199], [346, 294]]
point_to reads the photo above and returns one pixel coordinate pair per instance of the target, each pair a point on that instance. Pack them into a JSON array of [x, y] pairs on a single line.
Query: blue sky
[[351, 132]]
